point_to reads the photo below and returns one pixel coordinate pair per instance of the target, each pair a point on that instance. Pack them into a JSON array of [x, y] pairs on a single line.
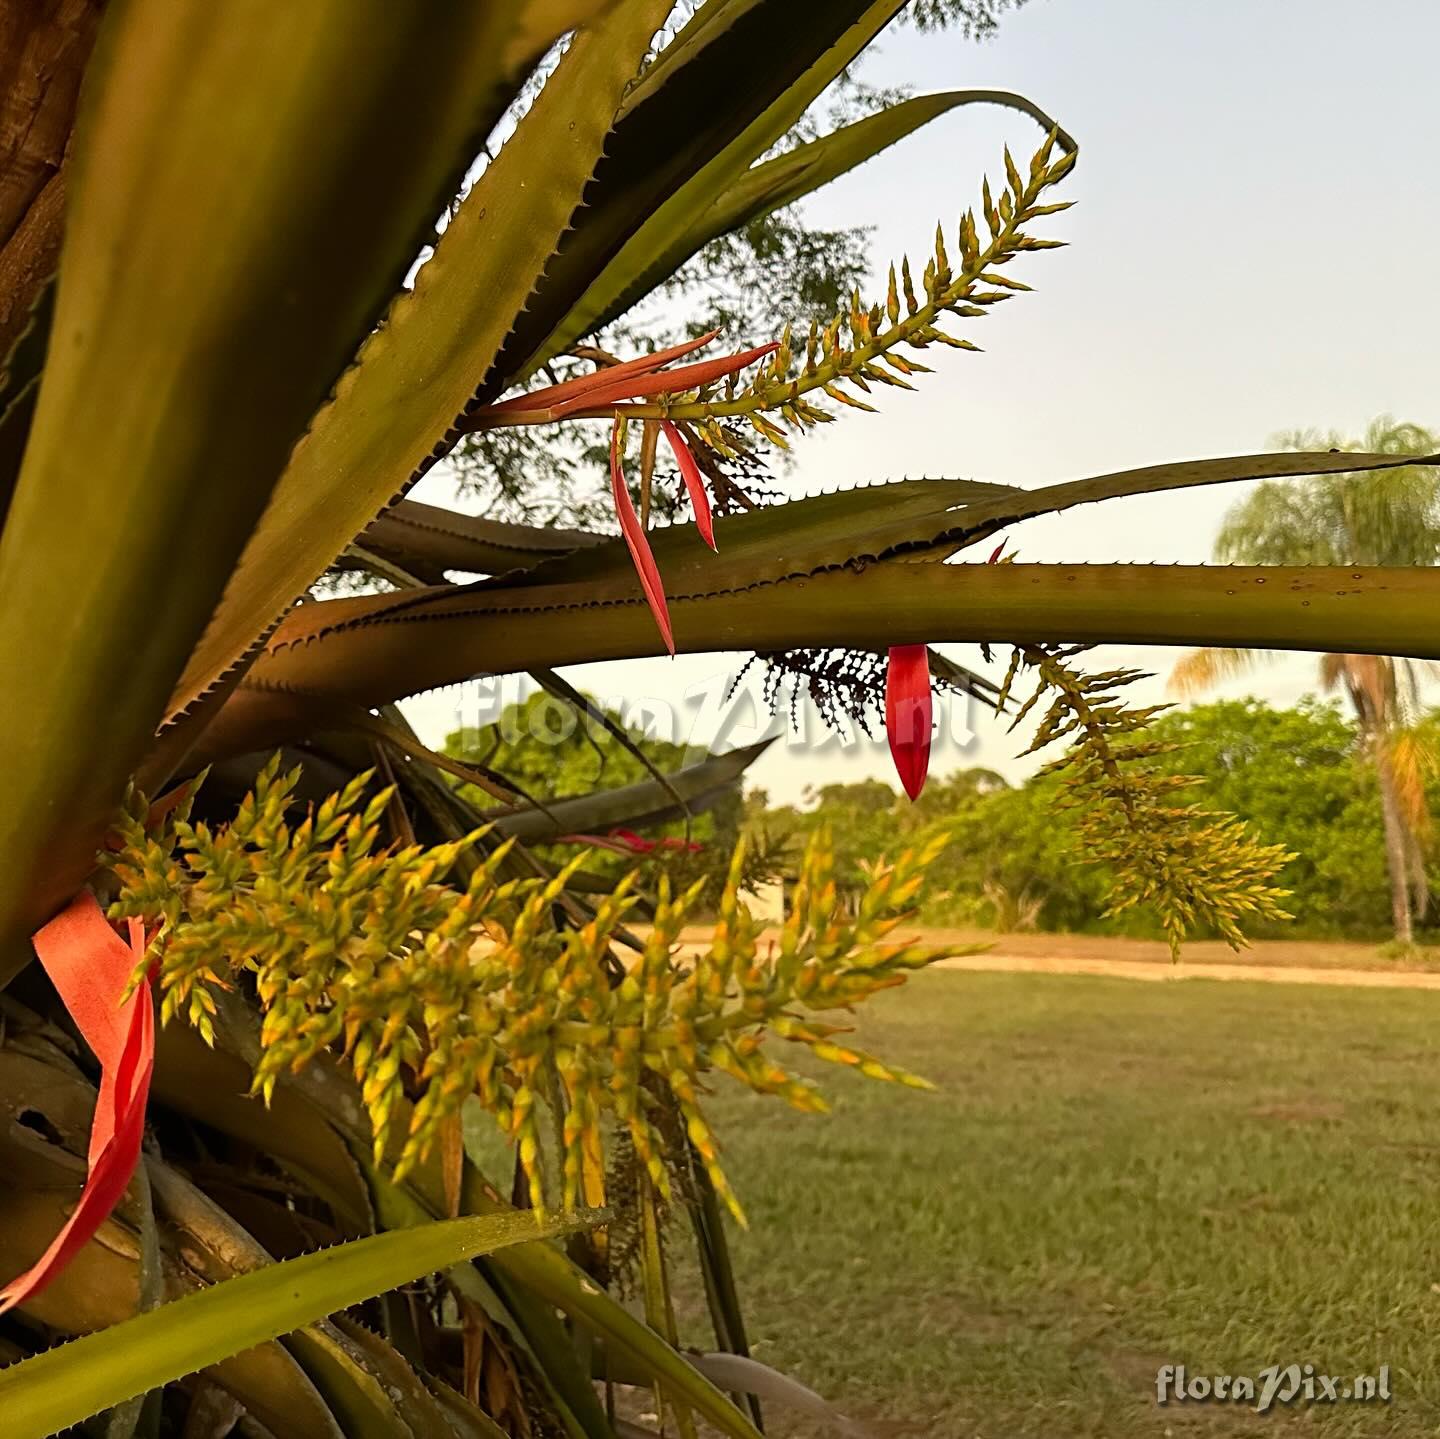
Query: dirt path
[[1163, 971], [1267, 961]]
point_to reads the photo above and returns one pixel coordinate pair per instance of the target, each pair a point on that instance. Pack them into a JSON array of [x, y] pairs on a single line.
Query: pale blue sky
[[1252, 250]]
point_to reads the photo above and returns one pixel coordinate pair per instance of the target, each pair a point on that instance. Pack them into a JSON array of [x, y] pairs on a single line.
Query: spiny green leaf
[[68, 1384], [989, 516], [193, 338], [674, 235], [860, 525], [874, 523], [543, 1272], [438, 346], [639, 806], [385, 1376], [427, 537], [557, 1280], [1375, 611], [777, 56], [795, 538]]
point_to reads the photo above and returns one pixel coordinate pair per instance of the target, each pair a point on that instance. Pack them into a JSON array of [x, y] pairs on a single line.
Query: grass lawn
[[1113, 1176]]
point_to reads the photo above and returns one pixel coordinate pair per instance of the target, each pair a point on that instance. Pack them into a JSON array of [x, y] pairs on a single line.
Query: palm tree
[[1392, 518]]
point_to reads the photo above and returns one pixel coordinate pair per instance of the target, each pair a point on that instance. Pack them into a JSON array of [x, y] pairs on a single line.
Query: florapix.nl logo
[[725, 709], [1274, 1384]]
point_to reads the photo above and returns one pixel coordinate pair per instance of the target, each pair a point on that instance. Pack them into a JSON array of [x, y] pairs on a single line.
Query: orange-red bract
[[90, 967], [638, 545], [694, 482]]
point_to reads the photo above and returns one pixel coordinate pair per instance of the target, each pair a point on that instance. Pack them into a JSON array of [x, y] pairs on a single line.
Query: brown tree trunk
[[44, 48], [1397, 845]]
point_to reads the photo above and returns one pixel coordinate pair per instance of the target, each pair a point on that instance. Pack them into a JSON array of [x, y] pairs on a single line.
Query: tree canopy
[[1301, 776]]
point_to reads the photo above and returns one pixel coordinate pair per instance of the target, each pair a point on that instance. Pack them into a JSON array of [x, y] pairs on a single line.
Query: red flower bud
[[908, 714]]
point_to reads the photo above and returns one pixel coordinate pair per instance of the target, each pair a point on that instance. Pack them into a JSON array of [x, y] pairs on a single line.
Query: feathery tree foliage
[[217, 404]]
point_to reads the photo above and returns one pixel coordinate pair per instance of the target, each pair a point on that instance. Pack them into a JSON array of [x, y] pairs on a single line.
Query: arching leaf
[[640, 805], [1360, 611], [669, 242], [431, 537], [92, 1373], [439, 344], [775, 57]]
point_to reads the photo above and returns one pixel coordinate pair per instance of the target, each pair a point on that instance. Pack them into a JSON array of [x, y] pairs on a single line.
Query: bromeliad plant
[[219, 406]]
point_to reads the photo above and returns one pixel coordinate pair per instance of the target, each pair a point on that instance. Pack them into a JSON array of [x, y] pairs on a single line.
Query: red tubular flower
[[694, 482], [90, 967], [585, 384], [662, 382], [593, 395], [636, 845], [638, 379], [626, 841], [638, 545], [596, 841], [908, 714]]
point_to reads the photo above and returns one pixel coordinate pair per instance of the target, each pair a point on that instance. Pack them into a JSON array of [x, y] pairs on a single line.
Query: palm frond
[[1203, 669], [1414, 758]]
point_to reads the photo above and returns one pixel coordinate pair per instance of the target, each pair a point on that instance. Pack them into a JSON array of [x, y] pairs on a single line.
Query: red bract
[[636, 845], [584, 384], [626, 841], [908, 714], [638, 545], [593, 395], [660, 382], [90, 967], [694, 482]]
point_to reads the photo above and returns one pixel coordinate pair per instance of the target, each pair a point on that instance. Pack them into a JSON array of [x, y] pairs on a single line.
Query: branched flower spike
[[1190, 865], [858, 348], [606, 393], [862, 346], [434, 992]]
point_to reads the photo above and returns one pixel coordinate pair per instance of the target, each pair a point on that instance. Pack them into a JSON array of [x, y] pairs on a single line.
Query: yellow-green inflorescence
[[434, 991], [861, 346], [1189, 865]]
